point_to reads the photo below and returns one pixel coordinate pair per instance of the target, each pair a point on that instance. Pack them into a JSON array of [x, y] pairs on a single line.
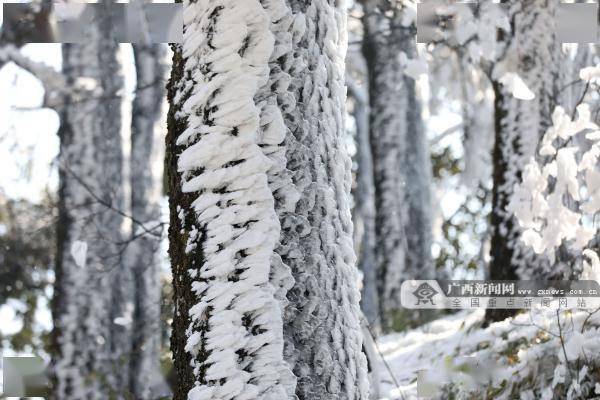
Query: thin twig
[[585, 321], [585, 90], [108, 204], [385, 363], [562, 343]]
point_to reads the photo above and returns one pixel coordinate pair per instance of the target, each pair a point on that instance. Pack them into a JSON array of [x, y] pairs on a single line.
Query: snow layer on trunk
[[532, 54], [322, 329], [236, 332], [402, 166]]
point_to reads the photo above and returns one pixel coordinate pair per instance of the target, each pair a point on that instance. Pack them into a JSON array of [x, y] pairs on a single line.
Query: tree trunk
[[322, 327], [402, 167], [258, 185], [227, 336], [146, 379], [533, 52], [364, 196], [88, 292]]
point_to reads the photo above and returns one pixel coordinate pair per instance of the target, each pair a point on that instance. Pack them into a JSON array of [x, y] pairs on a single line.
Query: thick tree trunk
[[258, 186], [519, 124], [146, 380], [402, 167], [227, 336], [88, 292], [322, 327]]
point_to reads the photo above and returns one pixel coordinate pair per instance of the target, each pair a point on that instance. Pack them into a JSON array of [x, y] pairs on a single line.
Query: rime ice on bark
[[235, 333], [401, 163], [322, 329], [259, 116], [88, 343]]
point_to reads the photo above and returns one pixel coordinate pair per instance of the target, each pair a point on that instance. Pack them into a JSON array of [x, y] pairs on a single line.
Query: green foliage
[[404, 319], [445, 163], [26, 256], [468, 225]]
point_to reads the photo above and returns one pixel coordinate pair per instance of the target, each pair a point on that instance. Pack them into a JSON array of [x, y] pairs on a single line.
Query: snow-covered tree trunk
[[259, 183], [402, 168], [322, 327], [533, 54], [227, 336], [417, 172], [364, 197], [88, 292], [146, 380]]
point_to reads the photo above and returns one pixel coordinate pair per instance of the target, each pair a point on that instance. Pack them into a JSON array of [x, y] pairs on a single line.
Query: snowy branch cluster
[[558, 199]]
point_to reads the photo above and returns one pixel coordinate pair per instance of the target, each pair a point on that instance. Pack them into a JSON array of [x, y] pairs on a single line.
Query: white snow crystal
[[127, 318], [590, 74], [79, 252], [516, 86], [574, 346], [415, 67]]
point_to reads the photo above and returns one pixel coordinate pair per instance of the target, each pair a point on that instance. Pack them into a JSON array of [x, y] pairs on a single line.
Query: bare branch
[[50, 78], [151, 231]]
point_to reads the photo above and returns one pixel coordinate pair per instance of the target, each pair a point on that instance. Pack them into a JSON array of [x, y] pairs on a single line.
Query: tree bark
[[321, 325], [533, 52], [364, 196], [402, 168], [227, 337], [88, 292], [146, 379], [260, 234]]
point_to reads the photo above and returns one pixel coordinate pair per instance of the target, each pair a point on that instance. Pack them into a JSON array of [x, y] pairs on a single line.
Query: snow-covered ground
[[418, 349], [526, 352]]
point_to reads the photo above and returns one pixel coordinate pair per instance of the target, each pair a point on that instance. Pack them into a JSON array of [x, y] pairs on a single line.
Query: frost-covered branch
[[543, 200], [56, 87], [52, 80], [449, 131]]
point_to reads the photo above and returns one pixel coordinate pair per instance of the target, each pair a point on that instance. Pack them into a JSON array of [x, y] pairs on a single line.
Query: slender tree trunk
[[402, 168], [88, 292], [258, 186], [364, 196], [417, 172], [533, 52], [146, 380]]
